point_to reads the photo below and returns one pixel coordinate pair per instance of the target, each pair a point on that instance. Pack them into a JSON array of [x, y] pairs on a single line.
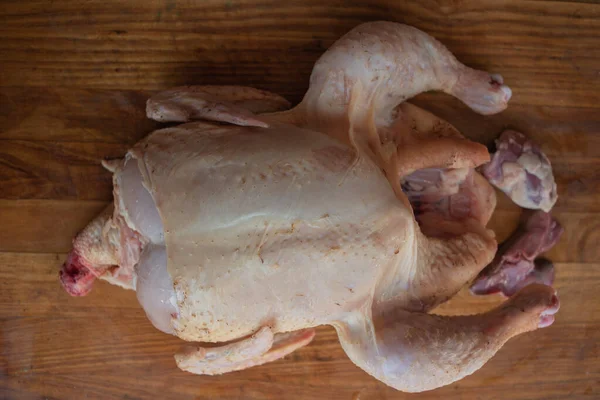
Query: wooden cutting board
[[74, 76]]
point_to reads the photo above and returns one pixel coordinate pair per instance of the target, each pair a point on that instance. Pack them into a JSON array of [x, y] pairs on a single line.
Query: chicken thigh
[[340, 211]]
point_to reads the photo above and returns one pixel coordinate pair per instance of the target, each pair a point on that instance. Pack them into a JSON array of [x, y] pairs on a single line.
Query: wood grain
[[546, 49], [71, 169], [43, 226], [74, 78], [61, 114], [53, 345]]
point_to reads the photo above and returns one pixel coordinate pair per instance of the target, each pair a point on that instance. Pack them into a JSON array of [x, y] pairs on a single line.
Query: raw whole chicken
[[263, 224]]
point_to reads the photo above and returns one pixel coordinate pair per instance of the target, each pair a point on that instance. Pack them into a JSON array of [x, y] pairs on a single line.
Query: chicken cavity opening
[[443, 195]]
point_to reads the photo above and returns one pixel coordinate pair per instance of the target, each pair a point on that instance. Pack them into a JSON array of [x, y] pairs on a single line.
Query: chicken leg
[[367, 73], [415, 352]]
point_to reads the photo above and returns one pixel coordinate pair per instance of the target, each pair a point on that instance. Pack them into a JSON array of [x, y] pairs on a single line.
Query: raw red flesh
[[76, 278], [515, 265], [521, 170], [439, 196]]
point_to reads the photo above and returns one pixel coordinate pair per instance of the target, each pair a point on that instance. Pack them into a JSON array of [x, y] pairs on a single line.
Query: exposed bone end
[[531, 308], [483, 92]]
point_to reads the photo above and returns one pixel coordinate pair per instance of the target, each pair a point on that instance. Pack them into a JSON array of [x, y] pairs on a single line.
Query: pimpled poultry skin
[[263, 224]]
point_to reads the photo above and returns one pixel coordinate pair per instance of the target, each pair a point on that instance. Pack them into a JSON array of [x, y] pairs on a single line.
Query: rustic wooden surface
[[74, 76]]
